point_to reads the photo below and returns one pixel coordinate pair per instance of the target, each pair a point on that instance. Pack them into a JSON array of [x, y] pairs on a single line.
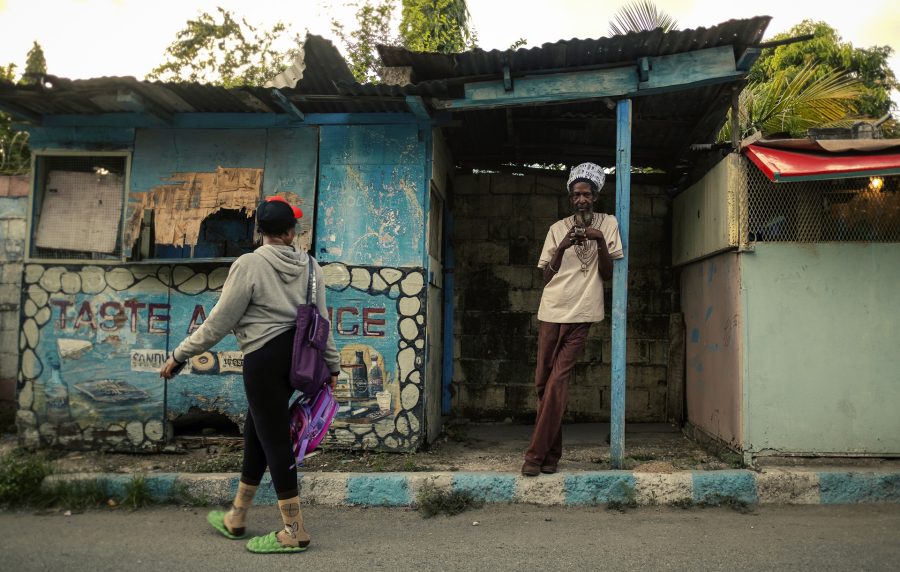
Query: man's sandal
[[216, 519], [269, 544]]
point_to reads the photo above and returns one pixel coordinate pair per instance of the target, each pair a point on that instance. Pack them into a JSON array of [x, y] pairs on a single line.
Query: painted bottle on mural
[[359, 379], [376, 378], [56, 393]]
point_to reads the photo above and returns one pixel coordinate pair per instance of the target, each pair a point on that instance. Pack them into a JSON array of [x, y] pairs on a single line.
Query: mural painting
[[93, 340]]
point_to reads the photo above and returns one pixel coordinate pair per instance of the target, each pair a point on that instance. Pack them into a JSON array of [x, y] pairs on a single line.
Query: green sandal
[[216, 518], [269, 544]]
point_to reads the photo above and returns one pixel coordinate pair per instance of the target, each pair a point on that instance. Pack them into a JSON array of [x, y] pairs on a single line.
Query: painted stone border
[[407, 286], [594, 488], [40, 282]]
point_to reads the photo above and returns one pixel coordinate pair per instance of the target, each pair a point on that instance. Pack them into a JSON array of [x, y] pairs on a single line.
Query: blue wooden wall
[[123, 320]]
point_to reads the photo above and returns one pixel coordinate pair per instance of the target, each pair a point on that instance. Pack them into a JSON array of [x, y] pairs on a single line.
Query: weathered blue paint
[[449, 306], [620, 284], [290, 170], [847, 488], [714, 487], [371, 203], [669, 73], [417, 106], [598, 488], [380, 490], [229, 120], [489, 487], [285, 104], [214, 381], [80, 138]]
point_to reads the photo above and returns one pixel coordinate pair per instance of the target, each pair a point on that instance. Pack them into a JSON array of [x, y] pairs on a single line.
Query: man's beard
[[584, 218]]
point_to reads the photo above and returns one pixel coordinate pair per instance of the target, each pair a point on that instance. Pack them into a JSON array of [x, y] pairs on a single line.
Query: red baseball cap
[[275, 213]]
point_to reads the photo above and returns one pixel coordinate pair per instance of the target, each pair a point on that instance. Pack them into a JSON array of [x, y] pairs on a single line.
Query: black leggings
[[267, 434]]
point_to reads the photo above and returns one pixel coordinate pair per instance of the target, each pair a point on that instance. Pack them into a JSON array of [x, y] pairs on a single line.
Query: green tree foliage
[[373, 21], [35, 65], [436, 26], [792, 101], [640, 16], [15, 155], [829, 54], [224, 50]]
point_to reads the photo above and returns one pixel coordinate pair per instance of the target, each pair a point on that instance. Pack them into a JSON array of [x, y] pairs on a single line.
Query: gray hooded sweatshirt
[[259, 301]]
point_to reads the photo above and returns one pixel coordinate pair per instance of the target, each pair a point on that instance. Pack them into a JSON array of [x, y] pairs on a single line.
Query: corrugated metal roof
[[664, 125], [576, 52]]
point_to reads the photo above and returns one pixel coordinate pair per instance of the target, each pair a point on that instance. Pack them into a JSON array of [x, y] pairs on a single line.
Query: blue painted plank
[[664, 74], [449, 307], [370, 208], [232, 120], [620, 284], [291, 162], [80, 138]]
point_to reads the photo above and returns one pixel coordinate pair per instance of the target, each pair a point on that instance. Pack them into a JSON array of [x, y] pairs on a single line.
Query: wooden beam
[[417, 106], [285, 104], [664, 74]]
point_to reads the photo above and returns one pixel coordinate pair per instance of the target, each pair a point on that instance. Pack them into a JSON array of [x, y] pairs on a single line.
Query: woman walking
[[259, 303]]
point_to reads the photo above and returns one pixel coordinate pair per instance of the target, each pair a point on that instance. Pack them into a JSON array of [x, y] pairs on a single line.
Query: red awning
[[783, 166]]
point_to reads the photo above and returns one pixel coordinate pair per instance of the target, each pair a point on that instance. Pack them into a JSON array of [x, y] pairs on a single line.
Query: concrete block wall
[[13, 205], [500, 222]]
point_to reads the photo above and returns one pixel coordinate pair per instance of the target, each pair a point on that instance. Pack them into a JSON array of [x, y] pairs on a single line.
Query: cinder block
[[10, 294], [661, 206], [543, 206], [549, 185], [471, 229], [524, 300], [11, 273], [512, 185], [636, 351], [18, 186], [472, 184]]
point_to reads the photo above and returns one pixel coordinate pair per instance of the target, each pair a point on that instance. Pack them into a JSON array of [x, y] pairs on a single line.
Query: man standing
[[576, 260]]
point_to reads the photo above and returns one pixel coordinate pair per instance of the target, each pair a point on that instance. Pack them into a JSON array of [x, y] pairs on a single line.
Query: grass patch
[[21, 475], [73, 495], [628, 500], [137, 494], [432, 501]]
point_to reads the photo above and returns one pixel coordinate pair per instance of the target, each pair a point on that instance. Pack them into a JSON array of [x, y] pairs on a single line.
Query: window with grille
[[862, 209], [78, 206]]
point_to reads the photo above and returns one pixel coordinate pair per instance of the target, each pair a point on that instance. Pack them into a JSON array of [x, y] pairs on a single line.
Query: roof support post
[[286, 106], [620, 284]]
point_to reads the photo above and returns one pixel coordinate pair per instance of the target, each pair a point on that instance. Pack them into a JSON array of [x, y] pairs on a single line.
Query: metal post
[[620, 284]]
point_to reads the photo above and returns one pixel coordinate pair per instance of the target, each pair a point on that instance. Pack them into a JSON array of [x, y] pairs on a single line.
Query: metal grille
[[838, 210], [78, 205]]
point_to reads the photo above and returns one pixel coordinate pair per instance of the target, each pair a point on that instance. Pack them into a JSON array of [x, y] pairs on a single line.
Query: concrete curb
[[773, 486]]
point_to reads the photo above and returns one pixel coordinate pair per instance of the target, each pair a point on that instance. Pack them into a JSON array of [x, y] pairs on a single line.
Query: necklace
[[587, 251]]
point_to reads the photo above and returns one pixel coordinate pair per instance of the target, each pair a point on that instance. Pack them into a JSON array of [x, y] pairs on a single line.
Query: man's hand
[[594, 234], [171, 368]]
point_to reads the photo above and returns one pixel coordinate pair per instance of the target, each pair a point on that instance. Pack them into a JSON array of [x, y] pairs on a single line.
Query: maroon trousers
[[559, 346]]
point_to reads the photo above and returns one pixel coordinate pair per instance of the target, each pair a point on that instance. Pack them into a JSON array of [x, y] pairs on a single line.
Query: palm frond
[[640, 16]]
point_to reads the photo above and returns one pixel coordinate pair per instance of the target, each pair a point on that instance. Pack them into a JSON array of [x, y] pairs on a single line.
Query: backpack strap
[[311, 284]]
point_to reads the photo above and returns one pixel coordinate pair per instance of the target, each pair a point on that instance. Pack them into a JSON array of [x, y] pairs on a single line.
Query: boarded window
[[78, 205]]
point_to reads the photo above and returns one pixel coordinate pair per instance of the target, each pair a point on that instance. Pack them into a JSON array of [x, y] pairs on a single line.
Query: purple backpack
[[309, 372], [310, 420]]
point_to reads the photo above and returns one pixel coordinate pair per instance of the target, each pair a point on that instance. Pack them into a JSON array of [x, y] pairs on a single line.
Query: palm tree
[[640, 16], [792, 102]]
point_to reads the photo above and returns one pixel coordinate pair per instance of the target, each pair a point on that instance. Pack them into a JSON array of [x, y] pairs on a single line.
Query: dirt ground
[[463, 446]]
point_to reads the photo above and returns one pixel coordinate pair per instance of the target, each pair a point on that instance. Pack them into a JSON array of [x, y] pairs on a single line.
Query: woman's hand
[[171, 368], [332, 383]]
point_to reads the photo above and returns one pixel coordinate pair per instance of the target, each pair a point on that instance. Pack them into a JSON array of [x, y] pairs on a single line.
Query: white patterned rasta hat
[[589, 173]]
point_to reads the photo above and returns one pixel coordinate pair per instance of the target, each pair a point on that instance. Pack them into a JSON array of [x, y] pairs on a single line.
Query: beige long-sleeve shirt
[[259, 301]]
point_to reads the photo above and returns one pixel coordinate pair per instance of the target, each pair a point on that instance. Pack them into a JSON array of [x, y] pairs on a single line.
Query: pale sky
[[95, 38]]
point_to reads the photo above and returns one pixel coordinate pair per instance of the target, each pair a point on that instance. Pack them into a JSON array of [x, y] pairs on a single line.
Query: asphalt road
[[514, 537]]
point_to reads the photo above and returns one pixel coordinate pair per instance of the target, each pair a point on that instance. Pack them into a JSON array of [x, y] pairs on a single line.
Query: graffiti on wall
[[93, 340]]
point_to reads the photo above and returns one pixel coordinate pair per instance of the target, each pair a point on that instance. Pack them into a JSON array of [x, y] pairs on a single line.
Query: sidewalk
[[662, 467]]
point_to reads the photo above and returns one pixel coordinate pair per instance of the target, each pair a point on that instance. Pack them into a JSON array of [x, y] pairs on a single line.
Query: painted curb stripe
[[574, 489]]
